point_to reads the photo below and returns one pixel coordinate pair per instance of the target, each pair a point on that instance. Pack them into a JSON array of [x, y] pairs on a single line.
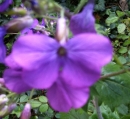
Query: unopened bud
[[3, 99], [3, 111], [26, 113], [61, 30], [19, 24], [11, 107]]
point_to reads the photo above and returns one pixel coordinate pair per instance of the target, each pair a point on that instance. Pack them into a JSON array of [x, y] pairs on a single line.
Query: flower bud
[[26, 113], [3, 111], [18, 24], [3, 99], [61, 30]]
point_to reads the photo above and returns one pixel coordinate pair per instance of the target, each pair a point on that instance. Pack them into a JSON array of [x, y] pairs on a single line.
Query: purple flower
[[2, 46], [4, 5], [78, 62], [67, 71], [84, 22]]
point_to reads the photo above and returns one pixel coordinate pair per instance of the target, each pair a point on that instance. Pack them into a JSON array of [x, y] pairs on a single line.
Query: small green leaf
[[123, 50], [121, 28], [43, 99], [43, 108], [111, 20], [24, 98], [35, 103]]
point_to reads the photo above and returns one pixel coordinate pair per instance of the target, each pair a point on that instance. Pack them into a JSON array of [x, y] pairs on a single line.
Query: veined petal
[[63, 97], [87, 54], [83, 22], [31, 51], [14, 82]]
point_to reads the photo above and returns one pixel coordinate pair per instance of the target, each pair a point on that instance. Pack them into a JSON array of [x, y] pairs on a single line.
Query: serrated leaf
[[73, 114], [115, 90], [43, 99], [43, 108], [35, 103], [24, 98], [121, 28]]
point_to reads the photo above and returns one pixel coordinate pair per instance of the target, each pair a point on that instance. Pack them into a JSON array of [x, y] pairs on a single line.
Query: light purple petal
[[44, 76], [14, 82], [2, 46], [87, 54], [5, 5], [83, 22], [30, 51], [63, 97]]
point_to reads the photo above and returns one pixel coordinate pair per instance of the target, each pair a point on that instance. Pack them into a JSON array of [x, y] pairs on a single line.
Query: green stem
[[31, 94], [115, 73], [11, 94], [46, 17], [81, 4], [99, 114], [4, 89]]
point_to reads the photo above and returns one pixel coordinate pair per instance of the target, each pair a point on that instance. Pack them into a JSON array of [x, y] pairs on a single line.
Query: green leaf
[[123, 50], [126, 117], [24, 98], [121, 28], [43, 99], [115, 90], [122, 109], [35, 103], [43, 108], [120, 14], [74, 114], [122, 59], [111, 20]]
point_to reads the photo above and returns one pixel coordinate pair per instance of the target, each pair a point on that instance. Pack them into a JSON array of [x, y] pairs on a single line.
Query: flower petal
[[31, 51], [83, 22], [44, 76], [14, 82], [63, 97], [2, 46], [87, 54]]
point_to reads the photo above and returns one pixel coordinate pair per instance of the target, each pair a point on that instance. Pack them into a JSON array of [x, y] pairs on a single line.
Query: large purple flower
[[4, 5], [2, 46], [78, 62], [66, 71], [84, 21]]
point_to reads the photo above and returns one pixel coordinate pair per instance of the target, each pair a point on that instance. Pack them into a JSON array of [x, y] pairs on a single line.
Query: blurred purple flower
[[78, 63], [83, 22], [2, 46], [4, 5]]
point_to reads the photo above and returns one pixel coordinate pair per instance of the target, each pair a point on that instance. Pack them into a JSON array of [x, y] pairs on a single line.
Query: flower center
[[61, 51]]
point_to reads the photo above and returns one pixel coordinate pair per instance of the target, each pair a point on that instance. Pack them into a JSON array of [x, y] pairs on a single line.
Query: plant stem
[[81, 4], [4, 89], [115, 73], [99, 114], [31, 94]]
